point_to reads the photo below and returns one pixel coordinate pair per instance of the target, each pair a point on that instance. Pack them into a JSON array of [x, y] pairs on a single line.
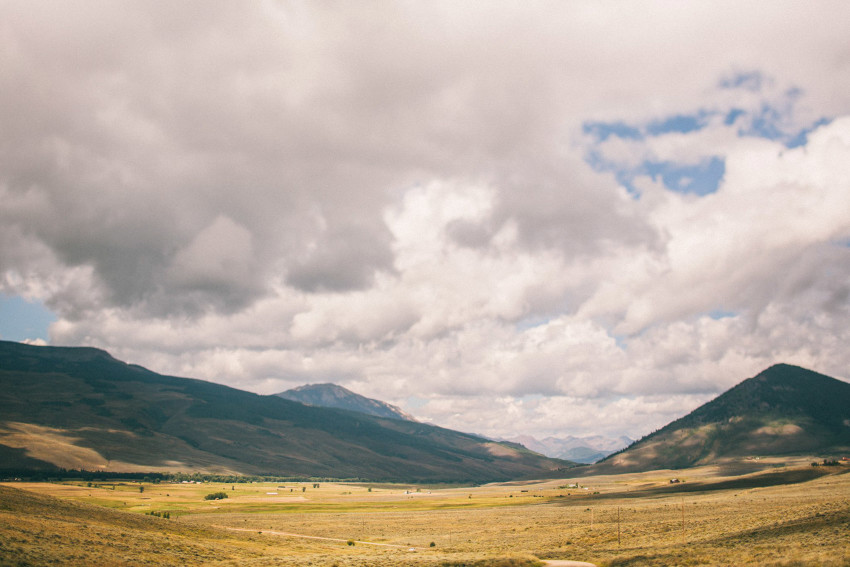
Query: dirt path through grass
[[287, 534], [549, 563]]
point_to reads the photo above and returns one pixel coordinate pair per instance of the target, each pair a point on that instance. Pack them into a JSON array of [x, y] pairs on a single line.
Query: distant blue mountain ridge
[[588, 449]]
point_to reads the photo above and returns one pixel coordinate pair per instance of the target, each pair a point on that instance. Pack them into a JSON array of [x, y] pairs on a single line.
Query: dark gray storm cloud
[[131, 128]]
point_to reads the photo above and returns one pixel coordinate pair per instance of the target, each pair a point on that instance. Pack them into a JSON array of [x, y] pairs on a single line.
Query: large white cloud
[[408, 198]]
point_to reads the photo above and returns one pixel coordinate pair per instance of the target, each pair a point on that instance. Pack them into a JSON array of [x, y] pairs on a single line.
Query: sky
[[542, 218]]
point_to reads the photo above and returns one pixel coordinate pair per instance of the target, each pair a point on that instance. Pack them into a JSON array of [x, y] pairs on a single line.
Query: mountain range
[[80, 408], [585, 450], [334, 396], [784, 410]]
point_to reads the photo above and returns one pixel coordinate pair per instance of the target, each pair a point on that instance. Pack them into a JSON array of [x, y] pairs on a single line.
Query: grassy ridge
[[785, 410], [39, 530], [80, 408]]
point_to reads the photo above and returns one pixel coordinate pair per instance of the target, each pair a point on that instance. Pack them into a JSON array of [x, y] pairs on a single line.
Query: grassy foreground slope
[[784, 410], [42, 530], [81, 408]]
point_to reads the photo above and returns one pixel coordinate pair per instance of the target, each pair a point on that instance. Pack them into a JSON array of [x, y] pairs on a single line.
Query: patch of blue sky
[[21, 319], [801, 138], [604, 130], [733, 115], [773, 121], [681, 123], [766, 124], [700, 179], [769, 124], [750, 81]]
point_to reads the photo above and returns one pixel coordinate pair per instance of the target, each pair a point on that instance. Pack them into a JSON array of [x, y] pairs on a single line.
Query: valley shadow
[[13, 460], [777, 478]]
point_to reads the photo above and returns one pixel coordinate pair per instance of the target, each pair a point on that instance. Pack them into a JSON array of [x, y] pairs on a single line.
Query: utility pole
[[684, 542], [618, 527]]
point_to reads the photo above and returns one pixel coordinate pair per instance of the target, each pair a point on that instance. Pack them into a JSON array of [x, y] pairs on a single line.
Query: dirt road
[[549, 562], [287, 534]]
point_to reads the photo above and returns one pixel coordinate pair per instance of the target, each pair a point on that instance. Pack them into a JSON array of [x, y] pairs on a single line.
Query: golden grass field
[[789, 514]]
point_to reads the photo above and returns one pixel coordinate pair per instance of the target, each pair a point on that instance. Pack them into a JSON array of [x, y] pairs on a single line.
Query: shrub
[[216, 496], [165, 515]]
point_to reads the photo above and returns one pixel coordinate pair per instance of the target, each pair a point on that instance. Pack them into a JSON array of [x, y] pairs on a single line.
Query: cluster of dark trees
[[826, 463], [216, 496], [30, 475]]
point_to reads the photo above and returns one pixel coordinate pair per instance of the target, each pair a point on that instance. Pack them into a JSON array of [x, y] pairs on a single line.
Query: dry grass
[[41, 530], [756, 519], [57, 446]]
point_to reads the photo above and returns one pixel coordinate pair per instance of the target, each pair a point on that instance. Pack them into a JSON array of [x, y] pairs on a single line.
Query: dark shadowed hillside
[[81, 408], [785, 410]]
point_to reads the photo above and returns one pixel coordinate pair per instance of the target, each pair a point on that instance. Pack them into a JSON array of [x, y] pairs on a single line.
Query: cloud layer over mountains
[[546, 217]]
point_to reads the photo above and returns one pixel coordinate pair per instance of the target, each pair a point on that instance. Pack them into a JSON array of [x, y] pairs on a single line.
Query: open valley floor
[[787, 513]]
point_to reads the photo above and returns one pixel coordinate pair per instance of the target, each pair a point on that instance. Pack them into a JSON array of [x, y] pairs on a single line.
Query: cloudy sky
[[505, 217]]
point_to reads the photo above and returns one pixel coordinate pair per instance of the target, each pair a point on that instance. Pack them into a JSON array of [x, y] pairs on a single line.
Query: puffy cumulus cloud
[[587, 217], [776, 220]]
